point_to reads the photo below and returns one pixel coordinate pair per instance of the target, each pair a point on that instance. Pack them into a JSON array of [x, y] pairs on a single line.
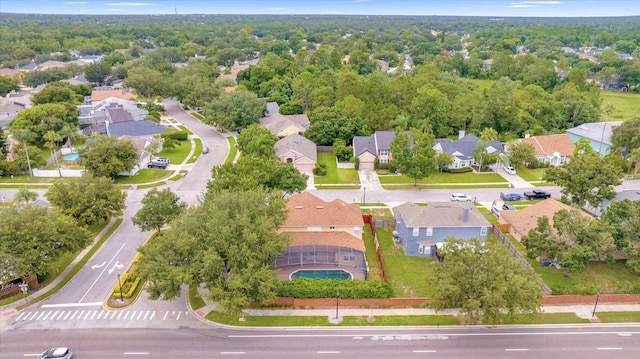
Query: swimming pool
[[321, 273], [71, 157]]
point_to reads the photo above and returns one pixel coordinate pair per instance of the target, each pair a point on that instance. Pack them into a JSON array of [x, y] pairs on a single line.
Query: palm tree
[[479, 154], [634, 158], [53, 138], [24, 196], [25, 136]]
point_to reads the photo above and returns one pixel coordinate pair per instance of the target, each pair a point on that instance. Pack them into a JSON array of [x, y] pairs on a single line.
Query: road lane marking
[[178, 318], [40, 316], [232, 353], [65, 317], [153, 315], [20, 316], [102, 272], [120, 313], [139, 315], [64, 305], [516, 350], [165, 316], [328, 352], [87, 315], [100, 315], [136, 353], [424, 351], [31, 355], [609, 348], [61, 314], [94, 314]]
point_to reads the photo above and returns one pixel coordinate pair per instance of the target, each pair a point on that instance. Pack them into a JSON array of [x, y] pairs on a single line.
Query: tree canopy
[[414, 157], [106, 156], [237, 109], [257, 140], [158, 209], [226, 243], [41, 119]]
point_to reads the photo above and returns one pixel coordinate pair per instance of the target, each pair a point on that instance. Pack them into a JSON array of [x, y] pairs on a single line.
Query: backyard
[[335, 176]]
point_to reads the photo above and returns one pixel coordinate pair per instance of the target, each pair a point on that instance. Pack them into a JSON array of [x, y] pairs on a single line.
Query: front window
[[429, 231], [416, 231]]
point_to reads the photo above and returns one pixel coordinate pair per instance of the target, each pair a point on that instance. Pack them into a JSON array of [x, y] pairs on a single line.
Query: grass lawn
[[24, 179], [618, 317], [546, 318], [233, 150], [177, 154], [184, 129], [407, 274], [625, 105], [534, 175], [143, 176], [197, 152], [372, 259], [446, 178], [335, 175]]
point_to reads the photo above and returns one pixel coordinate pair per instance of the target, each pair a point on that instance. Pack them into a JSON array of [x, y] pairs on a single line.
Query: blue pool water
[[321, 273], [71, 157]]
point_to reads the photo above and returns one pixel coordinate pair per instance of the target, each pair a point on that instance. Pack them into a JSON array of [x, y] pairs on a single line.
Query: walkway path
[[369, 180]]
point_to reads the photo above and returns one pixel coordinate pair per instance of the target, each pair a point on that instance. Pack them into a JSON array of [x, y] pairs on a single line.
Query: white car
[[460, 197], [510, 170], [57, 353]]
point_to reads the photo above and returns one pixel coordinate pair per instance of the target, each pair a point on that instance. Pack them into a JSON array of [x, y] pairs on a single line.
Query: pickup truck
[[537, 194], [160, 163]]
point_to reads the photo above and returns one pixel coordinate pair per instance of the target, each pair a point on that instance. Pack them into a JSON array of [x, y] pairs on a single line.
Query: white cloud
[[129, 4]]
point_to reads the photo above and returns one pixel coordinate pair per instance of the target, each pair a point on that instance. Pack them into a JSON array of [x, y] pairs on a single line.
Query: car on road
[[57, 353], [508, 206], [510, 196], [537, 194], [510, 170], [205, 150], [460, 197]]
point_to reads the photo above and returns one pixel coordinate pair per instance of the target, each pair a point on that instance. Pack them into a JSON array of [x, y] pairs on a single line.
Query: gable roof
[[383, 139], [277, 122], [327, 238], [140, 143], [550, 144], [463, 148], [99, 95], [440, 214], [298, 144], [362, 144], [523, 220], [306, 209], [593, 131], [134, 128]]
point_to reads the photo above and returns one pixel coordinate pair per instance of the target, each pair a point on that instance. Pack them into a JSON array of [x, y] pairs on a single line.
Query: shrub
[[327, 288], [356, 161], [320, 170], [458, 170], [178, 136]]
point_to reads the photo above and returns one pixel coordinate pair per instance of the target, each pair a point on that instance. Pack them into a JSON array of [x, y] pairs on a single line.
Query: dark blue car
[[510, 196]]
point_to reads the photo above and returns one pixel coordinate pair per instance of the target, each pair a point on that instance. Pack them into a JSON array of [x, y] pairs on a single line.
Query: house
[[283, 125], [421, 228], [299, 151], [102, 93], [145, 148], [462, 149], [598, 134], [631, 195], [552, 150], [325, 238], [368, 148], [116, 117], [521, 221]]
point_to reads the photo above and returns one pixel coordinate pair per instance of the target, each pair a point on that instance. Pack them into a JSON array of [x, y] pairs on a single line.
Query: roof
[[277, 122], [8, 72], [99, 129], [463, 148], [306, 209], [550, 144], [298, 144], [119, 114], [134, 128], [327, 238], [440, 214], [140, 143], [380, 140], [527, 218], [593, 131], [383, 139]]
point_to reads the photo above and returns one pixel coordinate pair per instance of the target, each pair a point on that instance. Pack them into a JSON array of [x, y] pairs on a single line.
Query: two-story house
[[462, 149], [370, 148], [421, 229], [325, 240]]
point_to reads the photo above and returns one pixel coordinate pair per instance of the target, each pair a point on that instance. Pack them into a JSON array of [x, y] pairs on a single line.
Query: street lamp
[[337, 297], [596, 305], [120, 287]]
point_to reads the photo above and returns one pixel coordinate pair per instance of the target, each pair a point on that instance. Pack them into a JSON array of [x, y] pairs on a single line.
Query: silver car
[[57, 353]]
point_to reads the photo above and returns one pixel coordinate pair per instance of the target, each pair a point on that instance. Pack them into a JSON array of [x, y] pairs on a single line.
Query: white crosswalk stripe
[[101, 314]]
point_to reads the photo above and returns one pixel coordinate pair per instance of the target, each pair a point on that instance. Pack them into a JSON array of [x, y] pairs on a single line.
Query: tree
[[480, 153], [88, 199], [430, 111], [158, 209], [32, 240], [623, 221], [8, 85], [107, 156], [586, 178], [226, 243], [484, 281], [148, 82], [634, 159], [329, 124], [57, 92], [443, 160], [415, 159], [341, 151], [23, 196], [52, 139], [257, 140], [625, 136], [25, 136], [520, 153], [488, 134], [252, 173], [237, 109], [41, 119], [97, 72]]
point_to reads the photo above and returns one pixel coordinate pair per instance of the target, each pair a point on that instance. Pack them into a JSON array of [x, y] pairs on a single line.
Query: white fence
[[56, 173]]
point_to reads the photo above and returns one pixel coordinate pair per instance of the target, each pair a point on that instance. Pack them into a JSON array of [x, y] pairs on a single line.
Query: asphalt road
[[477, 342]]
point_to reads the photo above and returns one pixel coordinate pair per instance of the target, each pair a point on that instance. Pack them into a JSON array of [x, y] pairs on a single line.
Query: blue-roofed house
[[421, 228], [368, 148], [462, 149], [597, 133]]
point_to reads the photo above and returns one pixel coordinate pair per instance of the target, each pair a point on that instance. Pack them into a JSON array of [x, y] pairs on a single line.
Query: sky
[[494, 8]]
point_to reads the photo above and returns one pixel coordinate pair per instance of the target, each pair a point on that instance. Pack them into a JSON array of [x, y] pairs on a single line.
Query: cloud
[[129, 4], [76, 2]]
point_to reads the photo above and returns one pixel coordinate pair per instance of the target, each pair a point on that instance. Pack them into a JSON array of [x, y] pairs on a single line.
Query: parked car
[[460, 197], [57, 353], [205, 150], [510, 196], [508, 206], [537, 194], [160, 163], [510, 170]]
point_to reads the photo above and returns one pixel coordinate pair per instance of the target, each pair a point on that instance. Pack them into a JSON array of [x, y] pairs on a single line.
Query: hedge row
[[129, 291], [327, 288], [458, 170], [178, 136]]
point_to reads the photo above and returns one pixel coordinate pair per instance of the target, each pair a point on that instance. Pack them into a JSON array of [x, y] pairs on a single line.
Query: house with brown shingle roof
[[121, 93], [521, 221], [553, 150], [325, 239]]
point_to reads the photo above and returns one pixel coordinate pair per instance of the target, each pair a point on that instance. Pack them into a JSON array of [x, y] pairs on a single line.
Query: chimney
[[526, 135], [461, 134], [465, 214]]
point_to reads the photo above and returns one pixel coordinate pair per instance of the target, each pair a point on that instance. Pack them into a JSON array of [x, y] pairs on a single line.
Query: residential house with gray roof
[[283, 125], [421, 229], [370, 148], [462, 148], [301, 152]]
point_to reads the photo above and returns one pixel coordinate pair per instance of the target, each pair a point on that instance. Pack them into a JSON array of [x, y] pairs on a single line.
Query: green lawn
[[143, 176], [625, 105], [177, 154], [546, 318], [372, 259], [233, 150], [445, 178], [618, 317], [197, 152], [335, 175], [531, 174], [24, 179]]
